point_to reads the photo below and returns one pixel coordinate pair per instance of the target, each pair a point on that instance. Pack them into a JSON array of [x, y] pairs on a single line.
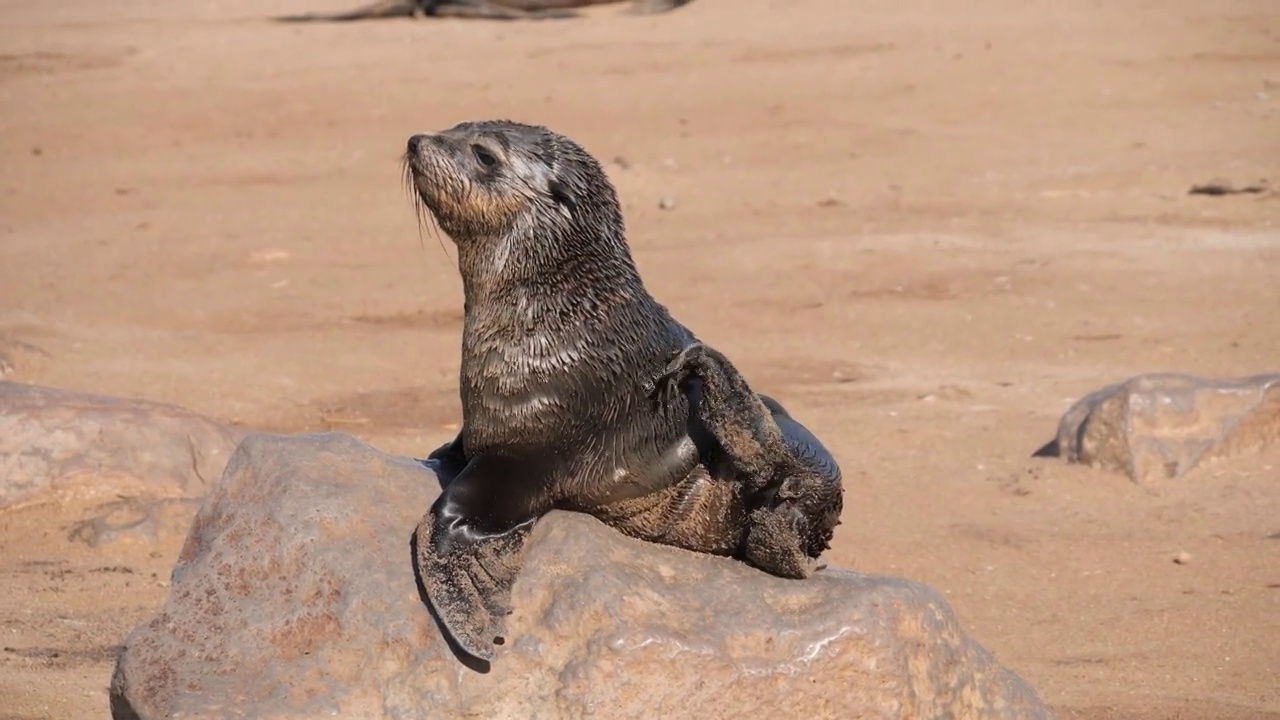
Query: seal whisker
[[422, 214], [435, 232], [406, 179]]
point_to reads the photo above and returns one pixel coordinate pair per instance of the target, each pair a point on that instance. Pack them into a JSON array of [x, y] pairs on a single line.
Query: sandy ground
[[926, 227]]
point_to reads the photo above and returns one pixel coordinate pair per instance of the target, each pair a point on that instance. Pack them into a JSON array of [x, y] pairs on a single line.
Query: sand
[[926, 227]]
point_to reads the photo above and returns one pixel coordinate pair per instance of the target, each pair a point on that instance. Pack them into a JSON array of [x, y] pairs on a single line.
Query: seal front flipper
[[470, 546], [448, 460], [469, 582]]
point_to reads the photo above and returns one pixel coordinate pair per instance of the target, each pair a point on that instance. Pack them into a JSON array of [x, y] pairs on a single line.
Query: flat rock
[[1160, 426], [294, 597], [53, 440]]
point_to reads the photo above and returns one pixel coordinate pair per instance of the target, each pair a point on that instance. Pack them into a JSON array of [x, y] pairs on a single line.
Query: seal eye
[[484, 157]]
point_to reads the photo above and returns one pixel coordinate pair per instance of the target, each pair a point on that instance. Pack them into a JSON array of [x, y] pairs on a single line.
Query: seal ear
[[560, 193]]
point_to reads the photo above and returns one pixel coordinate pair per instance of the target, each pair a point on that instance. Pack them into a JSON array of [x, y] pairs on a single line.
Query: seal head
[[520, 196]]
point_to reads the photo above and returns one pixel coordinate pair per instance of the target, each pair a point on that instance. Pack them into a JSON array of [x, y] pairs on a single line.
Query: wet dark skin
[[561, 346]]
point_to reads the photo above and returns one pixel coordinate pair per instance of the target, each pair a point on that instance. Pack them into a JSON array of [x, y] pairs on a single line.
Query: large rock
[[294, 597], [1160, 426], [53, 440]]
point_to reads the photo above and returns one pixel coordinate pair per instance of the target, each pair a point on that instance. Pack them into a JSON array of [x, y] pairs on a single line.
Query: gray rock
[[53, 440], [1160, 426], [294, 597]]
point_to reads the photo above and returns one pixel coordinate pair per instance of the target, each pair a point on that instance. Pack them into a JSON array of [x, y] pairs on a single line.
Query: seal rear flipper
[[794, 480], [806, 448], [740, 421], [775, 542], [755, 431]]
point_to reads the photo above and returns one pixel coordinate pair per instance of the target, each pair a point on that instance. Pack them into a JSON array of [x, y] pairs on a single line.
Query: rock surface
[[54, 440], [294, 597], [1161, 426]]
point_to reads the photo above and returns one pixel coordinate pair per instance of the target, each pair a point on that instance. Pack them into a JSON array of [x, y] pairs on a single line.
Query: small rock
[[1182, 558], [848, 374], [667, 202], [1160, 426], [54, 440], [263, 257], [295, 596]]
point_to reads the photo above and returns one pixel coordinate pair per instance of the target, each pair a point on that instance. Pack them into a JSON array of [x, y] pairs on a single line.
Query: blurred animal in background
[[481, 9]]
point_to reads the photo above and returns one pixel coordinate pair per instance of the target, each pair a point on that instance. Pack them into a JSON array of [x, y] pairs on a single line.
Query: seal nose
[[417, 141]]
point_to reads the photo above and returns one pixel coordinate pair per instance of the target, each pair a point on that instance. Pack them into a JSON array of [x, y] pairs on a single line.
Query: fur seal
[[480, 9], [561, 347]]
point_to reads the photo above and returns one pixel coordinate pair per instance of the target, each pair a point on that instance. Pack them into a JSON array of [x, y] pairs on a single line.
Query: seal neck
[[554, 272]]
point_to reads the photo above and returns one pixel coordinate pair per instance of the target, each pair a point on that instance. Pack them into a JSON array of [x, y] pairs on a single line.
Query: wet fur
[[560, 345]]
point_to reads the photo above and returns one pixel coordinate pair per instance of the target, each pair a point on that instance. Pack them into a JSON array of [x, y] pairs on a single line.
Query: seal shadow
[[1048, 450], [470, 661]]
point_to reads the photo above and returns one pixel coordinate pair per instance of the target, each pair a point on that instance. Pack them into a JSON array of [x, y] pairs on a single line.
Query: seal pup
[[480, 9], [561, 343]]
